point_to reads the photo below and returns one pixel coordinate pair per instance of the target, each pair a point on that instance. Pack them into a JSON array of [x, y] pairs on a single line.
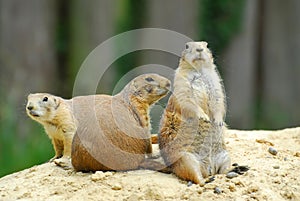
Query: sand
[[271, 177]]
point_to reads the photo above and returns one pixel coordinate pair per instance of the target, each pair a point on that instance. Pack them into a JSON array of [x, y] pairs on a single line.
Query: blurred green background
[[256, 44]]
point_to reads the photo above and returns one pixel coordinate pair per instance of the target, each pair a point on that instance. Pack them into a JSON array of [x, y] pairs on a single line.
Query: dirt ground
[[271, 177]]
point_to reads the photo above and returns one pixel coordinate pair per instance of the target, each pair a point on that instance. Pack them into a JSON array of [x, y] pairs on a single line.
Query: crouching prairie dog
[[56, 115], [192, 127], [114, 131]]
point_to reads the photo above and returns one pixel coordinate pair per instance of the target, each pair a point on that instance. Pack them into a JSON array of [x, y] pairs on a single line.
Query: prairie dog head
[[197, 54], [42, 106], [149, 88]]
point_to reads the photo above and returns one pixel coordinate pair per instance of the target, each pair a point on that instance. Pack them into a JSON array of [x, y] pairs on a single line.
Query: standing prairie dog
[[56, 115], [192, 127], [116, 133]]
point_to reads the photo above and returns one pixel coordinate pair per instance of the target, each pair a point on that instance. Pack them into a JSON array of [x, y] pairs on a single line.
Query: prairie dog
[[192, 127], [116, 133], [56, 115], [124, 116]]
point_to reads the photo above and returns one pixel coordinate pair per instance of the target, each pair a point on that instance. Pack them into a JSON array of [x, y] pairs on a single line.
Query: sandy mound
[[271, 177]]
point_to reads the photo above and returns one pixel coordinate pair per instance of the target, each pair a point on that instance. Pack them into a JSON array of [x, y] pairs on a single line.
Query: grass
[[20, 150]]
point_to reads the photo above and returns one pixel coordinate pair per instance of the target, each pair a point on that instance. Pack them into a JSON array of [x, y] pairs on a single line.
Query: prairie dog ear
[[187, 46], [134, 85], [56, 102], [204, 43]]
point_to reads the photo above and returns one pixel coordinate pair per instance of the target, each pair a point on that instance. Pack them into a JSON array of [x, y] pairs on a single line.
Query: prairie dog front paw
[[204, 117], [218, 120], [64, 162]]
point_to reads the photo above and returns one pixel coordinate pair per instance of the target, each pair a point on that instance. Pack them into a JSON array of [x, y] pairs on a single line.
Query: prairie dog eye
[[149, 79], [45, 99], [187, 46]]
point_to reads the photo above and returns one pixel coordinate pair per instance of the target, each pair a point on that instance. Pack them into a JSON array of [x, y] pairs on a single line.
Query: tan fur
[[56, 115], [115, 134], [192, 128]]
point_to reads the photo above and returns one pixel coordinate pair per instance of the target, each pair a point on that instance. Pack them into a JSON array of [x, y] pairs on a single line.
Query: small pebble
[[117, 187], [97, 176], [189, 183], [276, 166], [252, 188], [217, 190], [232, 187], [231, 175], [108, 174], [210, 179], [297, 154], [272, 151], [210, 186]]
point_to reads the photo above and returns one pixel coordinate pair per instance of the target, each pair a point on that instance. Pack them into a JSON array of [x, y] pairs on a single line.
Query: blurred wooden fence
[[260, 66]]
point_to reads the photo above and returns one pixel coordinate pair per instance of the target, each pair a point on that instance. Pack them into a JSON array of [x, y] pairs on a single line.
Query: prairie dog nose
[[168, 85], [29, 107]]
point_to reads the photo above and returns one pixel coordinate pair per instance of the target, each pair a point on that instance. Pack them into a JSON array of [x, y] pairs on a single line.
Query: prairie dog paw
[[204, 118], [54, 158], [218, 120], [64, 162], [219, 123]]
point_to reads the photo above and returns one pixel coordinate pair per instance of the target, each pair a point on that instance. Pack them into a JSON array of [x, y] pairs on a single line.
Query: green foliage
[[19, 152], [131, 17], [267, 117], [62, 47], [219, 21]]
